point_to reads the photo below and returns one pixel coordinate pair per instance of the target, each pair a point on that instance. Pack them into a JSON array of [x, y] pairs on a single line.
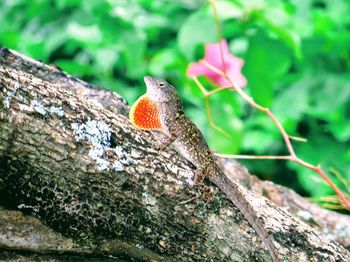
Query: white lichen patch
[[124, 158], [339, 231], [148, 199], [20, 98], [36, 81], [57, 110], [182, 175], [326, 231], [305, 215], [151, 203], [117, 166], [98, 134], [25, 108], [189, 180], [10, 95], [96, 154], [8, 99], [23, 206], [189, 177], [38, 107], [119, 150], [342, 231], [93, 131], [32, 106], [140, 246]]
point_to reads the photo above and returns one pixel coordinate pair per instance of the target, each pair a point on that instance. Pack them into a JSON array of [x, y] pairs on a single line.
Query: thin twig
[[201, 87], [218, 30], [331, 206], [253, 157], [207, 106], [331, 199], [341, 178], [299, 139]]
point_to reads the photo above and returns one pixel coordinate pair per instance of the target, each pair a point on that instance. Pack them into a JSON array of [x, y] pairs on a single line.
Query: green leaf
[[68, 3], [293, 101], [88, 34], [198, 29], [228, 10], [36, 50], [261, 88], [10, 38], [225, 111], [340, 129], [260, 135], [165, 60], [134, 46], [258, 141], [106, 58], [331, 93], [262, 66], [74, 67], [55, 40], [278, 22], [227, 145]]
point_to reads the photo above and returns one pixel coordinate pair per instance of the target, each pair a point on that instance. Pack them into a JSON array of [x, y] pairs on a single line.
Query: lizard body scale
[[161, 109]]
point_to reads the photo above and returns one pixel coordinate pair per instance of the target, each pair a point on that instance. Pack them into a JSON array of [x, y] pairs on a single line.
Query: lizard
[[161, 109]]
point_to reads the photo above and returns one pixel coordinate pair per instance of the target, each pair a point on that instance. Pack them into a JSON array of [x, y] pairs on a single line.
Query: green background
[[296, 53]]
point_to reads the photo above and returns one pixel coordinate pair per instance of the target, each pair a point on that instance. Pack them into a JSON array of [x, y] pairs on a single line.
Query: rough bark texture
[[69, 156]]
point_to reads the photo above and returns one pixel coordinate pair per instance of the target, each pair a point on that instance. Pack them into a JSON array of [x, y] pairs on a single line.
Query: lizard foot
[[207, 192], [207, 195]]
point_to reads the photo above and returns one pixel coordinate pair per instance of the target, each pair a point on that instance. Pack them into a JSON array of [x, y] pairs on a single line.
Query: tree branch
[[70, 157]]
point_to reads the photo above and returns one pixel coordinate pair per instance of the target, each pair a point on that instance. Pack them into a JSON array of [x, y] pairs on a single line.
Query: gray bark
[[70, 157]]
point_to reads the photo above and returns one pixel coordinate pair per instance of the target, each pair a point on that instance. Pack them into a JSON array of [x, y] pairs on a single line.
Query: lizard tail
[[233, 192]]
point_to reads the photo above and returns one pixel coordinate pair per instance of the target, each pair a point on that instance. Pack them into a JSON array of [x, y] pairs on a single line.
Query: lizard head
[[161, 99], [160, 91]]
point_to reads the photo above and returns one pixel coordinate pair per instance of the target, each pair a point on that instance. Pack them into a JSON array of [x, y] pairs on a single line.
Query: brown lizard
[[161, 109]]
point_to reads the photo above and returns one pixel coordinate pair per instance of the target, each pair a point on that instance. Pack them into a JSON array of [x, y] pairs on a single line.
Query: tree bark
[[70, 157]]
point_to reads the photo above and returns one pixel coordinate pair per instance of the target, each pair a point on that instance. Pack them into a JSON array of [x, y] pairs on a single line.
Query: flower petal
[[233, 66], [219, 80], [197, 69], [213, 54]]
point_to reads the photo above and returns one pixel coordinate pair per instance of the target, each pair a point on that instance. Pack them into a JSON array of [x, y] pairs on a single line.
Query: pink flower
[[213, 57]]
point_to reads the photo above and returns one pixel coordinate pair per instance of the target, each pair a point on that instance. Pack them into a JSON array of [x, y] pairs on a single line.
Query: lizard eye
[[161, 84]]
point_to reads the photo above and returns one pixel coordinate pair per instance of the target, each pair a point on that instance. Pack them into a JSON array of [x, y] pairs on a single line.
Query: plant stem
[[292, 157]]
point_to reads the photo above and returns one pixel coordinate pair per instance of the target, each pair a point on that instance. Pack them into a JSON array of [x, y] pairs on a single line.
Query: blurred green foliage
[[296, 53]]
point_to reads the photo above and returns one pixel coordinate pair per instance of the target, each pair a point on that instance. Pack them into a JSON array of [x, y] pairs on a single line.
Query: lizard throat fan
[[144, 114]]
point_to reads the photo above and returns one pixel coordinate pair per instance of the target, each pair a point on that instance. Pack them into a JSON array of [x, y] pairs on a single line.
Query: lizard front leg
[[169, 132]]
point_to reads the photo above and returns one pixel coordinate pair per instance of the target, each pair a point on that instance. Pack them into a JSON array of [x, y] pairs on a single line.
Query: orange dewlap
[[144, 114]]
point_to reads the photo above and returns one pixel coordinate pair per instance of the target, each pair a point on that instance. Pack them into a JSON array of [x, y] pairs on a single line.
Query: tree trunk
[[70, 157]]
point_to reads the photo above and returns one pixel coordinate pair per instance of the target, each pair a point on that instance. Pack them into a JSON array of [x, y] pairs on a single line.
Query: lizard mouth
[[150, 80]]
